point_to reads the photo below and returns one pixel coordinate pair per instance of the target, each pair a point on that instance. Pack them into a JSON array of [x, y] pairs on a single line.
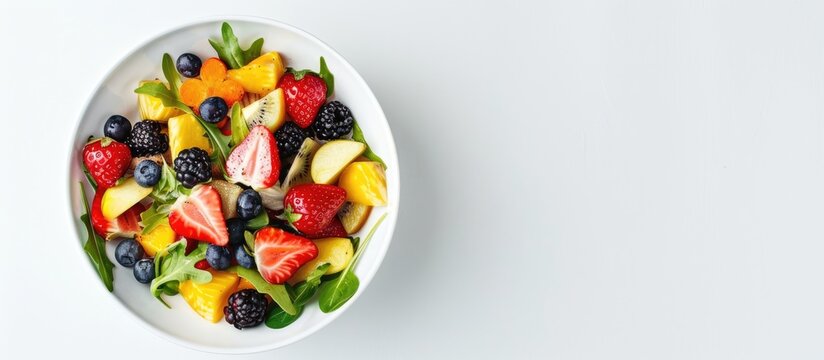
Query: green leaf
[[170, 72], [355, 242], [279, 319], [250, 240], [357, 135], [299, 74], [95, 247], [277, 292], [230, 51], [167, 189], [306, 289], [336, 292], [155, 215], [239, 128], [258, 221], [327, 77], [173, 266], [254, 51]]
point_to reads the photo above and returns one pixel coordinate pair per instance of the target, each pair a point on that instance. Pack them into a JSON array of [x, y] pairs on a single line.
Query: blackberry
[[146, 139], [193, 167], [334, 120], [289, 138], [246, 308]]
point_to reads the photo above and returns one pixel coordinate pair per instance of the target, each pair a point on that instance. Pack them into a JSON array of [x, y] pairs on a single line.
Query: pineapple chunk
[[158, 239], [185, 132], [208, 299]]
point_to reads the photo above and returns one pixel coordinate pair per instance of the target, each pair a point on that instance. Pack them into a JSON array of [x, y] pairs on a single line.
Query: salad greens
[[278, 319], [230, 51], [238, 124], [259, 221], [336, 292], [357, 135], [173, 266], [327, 77], [155, 215], [95, 247], [277, 292]]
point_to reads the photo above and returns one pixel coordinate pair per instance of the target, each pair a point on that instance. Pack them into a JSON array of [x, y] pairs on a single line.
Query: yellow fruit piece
[[119, 198], [186, 132], [208, 299], [152, 108], [244, 284], [335, 251], [158, 239], [365, 183], [269, 111], [353, 216], [332, 157], [261, 75]]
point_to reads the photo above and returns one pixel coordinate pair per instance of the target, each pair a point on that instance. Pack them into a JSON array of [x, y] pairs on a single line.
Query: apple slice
[[119, 198], [332, 158]]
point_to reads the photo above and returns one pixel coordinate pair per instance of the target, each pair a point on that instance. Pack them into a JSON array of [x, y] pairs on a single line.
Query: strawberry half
[[310, 207], [199, 216], [304, 95], [107, 160], [255, 161], [279, 254], [333, 229], [126, 225]]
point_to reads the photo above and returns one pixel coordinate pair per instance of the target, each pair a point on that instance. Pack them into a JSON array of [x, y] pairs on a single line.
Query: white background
[[581, 179]]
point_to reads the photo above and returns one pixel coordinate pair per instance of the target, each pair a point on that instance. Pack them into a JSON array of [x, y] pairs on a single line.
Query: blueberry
[[243, 258], [147, 173], [117, 127], [144, 271], [236, 229], [213, 109], [249, 204], [188, 65], [218, 257], [128, 252]]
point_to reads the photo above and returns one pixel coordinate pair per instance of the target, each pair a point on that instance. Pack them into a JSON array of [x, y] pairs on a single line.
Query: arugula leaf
[[239, 128], [173, 266], [327, 77], [170, 72], [95, 247], [88, 175], [336, 292], [155, 215], [230, 51], [259, 221], [357, 135], [278, 319], [277, 292], [250, 240], [168, 189], [355, 242]]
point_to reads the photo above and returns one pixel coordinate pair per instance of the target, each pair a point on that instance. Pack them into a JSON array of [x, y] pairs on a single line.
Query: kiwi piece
[[272, 197], [299, 171], [228, 197], [353, 216], [267, 111]]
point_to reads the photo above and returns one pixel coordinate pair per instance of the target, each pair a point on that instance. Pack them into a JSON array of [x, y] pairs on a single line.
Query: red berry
[[107, 160], [310, 207], [303, 97], [279, 254]]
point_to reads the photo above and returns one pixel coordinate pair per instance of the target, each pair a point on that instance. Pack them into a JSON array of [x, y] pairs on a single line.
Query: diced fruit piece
[[365, 183], [299, 170], [126, 225], [337, 251], [310, 207], [260, 75], [152, 108], [333, 229], [304, 96], [186, 132], [107, 160], [269, 111], [255, 161], [248, 99], [353, 216], [158, 239], [208, 299], [228, 197], [332, 158], [198, 216], [212, 82], [120, 198], [278, 254]]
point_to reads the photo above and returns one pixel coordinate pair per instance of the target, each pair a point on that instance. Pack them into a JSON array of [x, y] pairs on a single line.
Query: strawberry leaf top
[[324, 75], [173, 266]]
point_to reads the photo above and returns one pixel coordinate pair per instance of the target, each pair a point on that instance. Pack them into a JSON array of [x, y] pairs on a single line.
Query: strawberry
[[304, 92], [125, 225], [255, 161], [279, 254], [199, 216], [333, 229], [310, 207], [107, 160]]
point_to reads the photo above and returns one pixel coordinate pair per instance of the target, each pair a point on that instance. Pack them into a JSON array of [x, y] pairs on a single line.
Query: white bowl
[[115, 95]]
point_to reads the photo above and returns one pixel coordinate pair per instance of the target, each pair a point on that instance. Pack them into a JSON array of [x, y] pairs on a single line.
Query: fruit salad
[[242, 187]]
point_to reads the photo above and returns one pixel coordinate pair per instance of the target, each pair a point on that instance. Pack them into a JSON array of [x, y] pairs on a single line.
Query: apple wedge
[[119, 198], [332, 158]]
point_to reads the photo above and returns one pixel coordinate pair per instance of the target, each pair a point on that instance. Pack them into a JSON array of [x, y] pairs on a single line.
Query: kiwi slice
[[299, 171], [268, 111], [353, 216]]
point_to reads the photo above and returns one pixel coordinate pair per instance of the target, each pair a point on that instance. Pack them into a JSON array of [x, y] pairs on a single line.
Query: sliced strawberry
[[126, 225], [199, 216], [304, 94], [334, 229], [279, 254], [107, 160], [310, 207], [255, 161]]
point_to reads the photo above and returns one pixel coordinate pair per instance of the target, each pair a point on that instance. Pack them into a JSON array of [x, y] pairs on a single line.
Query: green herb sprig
[[230, 51], [357, 135], [173, 266], [278, 319], [95, 247]]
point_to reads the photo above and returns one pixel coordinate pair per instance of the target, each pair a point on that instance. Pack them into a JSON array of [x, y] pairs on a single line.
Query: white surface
[[582, 180], [116, 95]]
